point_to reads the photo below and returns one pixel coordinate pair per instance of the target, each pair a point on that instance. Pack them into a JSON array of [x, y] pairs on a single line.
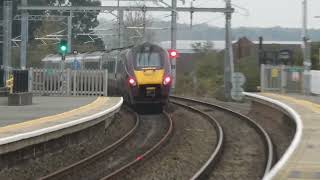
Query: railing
[[20, 81], [282, 78], [68, 82], [2, 78]]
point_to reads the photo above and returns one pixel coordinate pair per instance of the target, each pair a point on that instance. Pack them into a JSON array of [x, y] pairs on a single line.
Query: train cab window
[[148, 59]]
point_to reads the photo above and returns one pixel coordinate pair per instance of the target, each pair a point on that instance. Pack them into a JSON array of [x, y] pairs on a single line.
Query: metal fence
[[282, 78], [2, 78], [68, 82], [20, 81]]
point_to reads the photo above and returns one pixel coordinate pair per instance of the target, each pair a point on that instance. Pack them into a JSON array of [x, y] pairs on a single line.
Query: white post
[[105, 83], [68, 82], [283, 79], [262, 78], [75, 83]]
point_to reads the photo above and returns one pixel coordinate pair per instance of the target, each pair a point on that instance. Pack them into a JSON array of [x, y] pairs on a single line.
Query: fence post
[[283, 80], [68, 82], [262, 78], [30, 80], [105, 83], [74, 82]]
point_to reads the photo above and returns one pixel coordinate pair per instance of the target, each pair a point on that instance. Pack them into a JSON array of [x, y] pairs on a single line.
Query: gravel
[[190, 146], [243, 154], [47, 163], [150, 130], [280, 127]]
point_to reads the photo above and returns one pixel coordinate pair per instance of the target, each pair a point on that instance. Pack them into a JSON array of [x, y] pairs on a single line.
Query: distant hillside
[[206, 32]]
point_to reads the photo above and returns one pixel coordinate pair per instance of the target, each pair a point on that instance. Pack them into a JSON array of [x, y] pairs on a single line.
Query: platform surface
[[304, 164], [49, 114], [41, 107]]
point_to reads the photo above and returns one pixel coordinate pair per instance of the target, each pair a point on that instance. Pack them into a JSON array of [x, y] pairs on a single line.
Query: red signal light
[[132, 82], [173, 54]]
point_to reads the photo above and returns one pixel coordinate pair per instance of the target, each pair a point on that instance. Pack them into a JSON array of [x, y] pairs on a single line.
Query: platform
[[304, 163], [41, 107], [49, 118]]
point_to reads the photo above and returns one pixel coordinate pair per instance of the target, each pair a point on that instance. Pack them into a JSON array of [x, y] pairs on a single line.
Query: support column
[[24, 36], [228, 63], [306, 49], [174, 41], [121, 28], [7, 35], [70, 32]]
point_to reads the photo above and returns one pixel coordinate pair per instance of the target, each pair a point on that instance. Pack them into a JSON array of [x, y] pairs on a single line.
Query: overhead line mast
[[228, 10]]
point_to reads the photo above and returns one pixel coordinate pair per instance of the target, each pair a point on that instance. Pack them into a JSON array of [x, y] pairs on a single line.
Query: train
[[140, 74]]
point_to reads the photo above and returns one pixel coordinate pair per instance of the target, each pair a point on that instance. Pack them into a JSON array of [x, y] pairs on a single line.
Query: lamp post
[[306, 48]]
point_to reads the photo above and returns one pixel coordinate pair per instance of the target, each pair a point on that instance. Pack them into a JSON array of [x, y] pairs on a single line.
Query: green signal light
[[63, 48]]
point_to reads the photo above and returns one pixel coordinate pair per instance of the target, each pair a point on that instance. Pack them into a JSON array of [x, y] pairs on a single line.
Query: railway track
[[241, 154], [149, 134]]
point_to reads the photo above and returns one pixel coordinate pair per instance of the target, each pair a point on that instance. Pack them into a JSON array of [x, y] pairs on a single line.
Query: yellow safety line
[[308, 104], [93, 105]]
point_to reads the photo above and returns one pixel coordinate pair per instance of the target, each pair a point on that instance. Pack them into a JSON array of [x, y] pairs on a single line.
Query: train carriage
[[141, 74], [145, 74]]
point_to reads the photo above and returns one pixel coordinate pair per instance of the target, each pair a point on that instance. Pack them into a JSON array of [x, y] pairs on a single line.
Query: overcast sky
[[259, 13]]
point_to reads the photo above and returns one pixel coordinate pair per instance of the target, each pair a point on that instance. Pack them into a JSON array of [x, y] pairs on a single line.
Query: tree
[[82, 23], [203, 47], [206, 79], [315, 51], [133, 32]]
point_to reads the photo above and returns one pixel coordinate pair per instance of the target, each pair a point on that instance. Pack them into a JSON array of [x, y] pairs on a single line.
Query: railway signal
[[63, 47], [173, 54]]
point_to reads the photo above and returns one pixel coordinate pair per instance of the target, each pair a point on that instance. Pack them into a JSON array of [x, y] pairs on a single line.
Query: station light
[[173, 53], [63, 47]]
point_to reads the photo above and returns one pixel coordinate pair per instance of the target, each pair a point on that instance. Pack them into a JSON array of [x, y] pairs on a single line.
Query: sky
[[249, 13]]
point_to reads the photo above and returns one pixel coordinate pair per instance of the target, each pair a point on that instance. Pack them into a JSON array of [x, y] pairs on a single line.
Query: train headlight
[[167, 80], [132, 82]]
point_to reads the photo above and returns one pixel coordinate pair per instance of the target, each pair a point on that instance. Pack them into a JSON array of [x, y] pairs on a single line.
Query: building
[[272, 51]]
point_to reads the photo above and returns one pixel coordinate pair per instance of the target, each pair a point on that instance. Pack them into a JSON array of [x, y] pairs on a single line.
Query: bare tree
[[135, 28]]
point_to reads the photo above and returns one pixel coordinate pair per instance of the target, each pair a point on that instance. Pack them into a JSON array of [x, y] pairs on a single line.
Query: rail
[[64, 171], [218, 148], [161, 142], [263, 133]]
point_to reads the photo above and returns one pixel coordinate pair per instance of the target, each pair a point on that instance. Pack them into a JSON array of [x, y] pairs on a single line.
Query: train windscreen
[[148, 59]]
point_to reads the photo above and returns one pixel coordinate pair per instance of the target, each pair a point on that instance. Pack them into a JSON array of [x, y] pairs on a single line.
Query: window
[[146, 59]]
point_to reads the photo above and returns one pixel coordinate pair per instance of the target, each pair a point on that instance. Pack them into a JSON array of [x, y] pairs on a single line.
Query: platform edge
[[296, 139]]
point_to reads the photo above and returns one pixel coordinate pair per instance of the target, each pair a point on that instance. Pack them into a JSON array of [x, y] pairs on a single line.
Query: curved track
[[233, 159], [147, 135], [147, 153], [205, 169]]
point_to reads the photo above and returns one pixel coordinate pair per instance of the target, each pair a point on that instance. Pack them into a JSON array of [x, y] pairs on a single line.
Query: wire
[[246, 11]]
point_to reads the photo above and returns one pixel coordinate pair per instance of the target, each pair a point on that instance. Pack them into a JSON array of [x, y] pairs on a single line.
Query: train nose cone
[[145, 77]]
